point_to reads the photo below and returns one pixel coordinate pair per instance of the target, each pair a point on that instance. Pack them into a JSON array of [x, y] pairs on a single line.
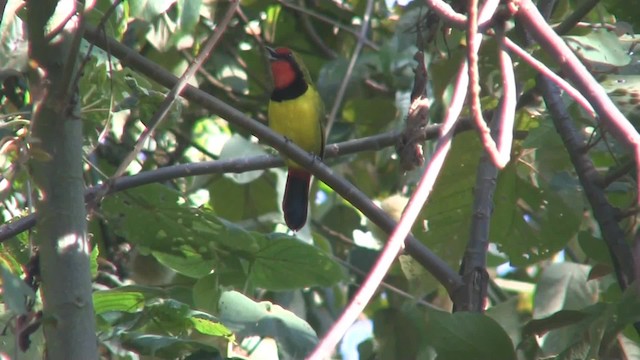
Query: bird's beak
[[273, 55]]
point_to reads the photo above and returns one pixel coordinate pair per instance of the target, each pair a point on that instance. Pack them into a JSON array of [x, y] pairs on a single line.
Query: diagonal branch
[[239, 165], [441, 271], [179, 86], [610, 116], [412, 211], [543, 69], [603, 212], [352, 63], [500, 154], [474, 263], [328, 20]]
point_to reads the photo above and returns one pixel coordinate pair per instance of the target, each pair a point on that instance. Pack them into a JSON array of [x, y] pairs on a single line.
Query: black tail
[[296, 199]]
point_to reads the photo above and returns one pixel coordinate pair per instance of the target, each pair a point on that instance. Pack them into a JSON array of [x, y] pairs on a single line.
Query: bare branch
[[177, 89], [441, 271], [409, 216], [610, 116], [543, 69], [603, 212], [352, 63]]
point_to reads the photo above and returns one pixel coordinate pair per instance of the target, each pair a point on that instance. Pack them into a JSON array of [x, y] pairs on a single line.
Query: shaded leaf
[[247, 318], [465, 335], [284, 262]]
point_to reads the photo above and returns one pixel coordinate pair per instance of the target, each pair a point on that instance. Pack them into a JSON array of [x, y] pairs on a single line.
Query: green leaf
[[15, 292], [116, 24], [188, 15], [165, 346], [600, 48], [283, 262], [247, 318], [237, 147], [235, 199], [466, 335], [149, 216], [208, 327], [189, 263], [531, 223], [117, 300], [508, 315], [447, 216], [341, 219], [148, 10], [93, 261], [206, 293], [369, 114], [399, 333], [595, 248], [563, 286], [585, 332], [624, 90], [179, 237], [418, 278]]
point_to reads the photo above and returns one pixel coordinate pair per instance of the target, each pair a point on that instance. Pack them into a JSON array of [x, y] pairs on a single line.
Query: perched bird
[[297, 112]]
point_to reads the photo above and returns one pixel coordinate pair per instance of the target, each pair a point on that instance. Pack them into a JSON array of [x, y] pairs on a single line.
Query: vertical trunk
[[56, 164]]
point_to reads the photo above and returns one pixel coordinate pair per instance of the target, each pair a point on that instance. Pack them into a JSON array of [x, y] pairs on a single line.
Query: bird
[[296, 111]]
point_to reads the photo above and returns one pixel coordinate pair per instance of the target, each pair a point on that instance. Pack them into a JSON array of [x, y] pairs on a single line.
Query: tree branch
[[603, 212], [239, 165], [178, 87], [352, 63], [610, 116], [329, 21], [421, 253], [473, 269]]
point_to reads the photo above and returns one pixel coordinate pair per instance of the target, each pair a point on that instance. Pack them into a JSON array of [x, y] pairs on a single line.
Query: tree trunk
[[56, 164]]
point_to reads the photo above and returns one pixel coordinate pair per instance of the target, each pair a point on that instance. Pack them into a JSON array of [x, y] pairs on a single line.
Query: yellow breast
[[300, 120]]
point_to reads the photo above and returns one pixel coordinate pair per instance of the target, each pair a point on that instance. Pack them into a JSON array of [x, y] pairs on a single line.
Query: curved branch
[[543, 69], [163, 109], [610, 116], [311, 31], [441, 271], [454, 18], [603, 212], [352, 63], [474, 263], [239, 165], [328, 20], [411, 212]]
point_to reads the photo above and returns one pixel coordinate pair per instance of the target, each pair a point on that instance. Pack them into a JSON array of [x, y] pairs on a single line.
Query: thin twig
[[330, 21], [499, 153], [454, 18], [435, 265], [311, 31], [604, 213], [575, 16], [238, 165], [352, 63], [409, 216], [175, 92], [616, 173], [507, 108], [544, 70], [609, 114]]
